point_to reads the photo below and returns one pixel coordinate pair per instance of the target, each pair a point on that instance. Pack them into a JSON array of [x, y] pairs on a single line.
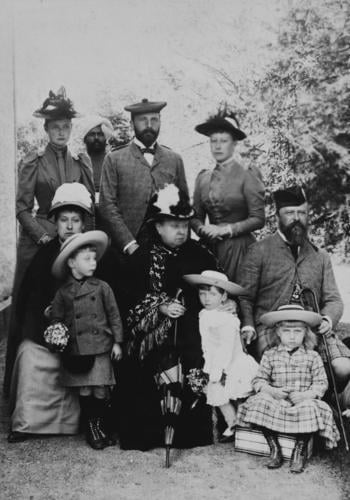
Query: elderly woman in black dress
[[152, 283]]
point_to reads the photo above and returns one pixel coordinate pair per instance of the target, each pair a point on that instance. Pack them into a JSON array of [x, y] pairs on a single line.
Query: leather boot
[[276, 460], [298, 459], [94, 436], [105, 423]]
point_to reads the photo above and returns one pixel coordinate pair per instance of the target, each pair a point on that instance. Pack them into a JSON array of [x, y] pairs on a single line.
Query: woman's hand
[[48, 311], [211, 231], [116, 353], [173, 309]]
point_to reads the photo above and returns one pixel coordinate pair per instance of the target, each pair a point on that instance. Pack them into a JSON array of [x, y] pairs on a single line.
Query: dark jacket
[[90, 312]]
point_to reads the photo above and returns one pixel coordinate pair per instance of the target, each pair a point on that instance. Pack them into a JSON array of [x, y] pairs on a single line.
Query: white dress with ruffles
[[223, 352]]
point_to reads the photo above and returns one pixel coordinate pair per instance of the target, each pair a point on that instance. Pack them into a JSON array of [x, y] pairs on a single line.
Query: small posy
[[198, 380], [57, 336]]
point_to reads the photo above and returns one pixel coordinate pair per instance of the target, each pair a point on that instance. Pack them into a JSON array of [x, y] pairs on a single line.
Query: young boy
[[86, 305]]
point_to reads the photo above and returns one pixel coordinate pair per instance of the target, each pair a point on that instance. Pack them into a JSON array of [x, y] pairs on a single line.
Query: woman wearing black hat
[[40, 174], [152, 281], [231, 196]]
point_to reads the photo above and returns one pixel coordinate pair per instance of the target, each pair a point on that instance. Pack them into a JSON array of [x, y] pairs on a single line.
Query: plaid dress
[[298, 371]]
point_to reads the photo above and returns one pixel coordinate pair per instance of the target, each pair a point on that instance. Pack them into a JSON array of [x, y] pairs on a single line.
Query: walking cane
[[309, 301]]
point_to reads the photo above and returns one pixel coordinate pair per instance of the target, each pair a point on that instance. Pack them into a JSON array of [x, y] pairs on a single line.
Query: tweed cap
[[145, 106]]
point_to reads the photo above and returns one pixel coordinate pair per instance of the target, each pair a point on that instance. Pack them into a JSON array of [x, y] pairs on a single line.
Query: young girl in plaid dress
[[289, 386]]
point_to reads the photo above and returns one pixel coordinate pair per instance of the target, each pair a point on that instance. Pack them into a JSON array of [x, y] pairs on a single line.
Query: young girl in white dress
[[230, 369]]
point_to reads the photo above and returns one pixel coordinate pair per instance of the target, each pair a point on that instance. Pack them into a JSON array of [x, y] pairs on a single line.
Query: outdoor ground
[[65, 468]]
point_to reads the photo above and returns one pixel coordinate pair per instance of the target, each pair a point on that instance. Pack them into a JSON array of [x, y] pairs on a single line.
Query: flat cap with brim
[[71, 194], [293, 196], [146, 106], [98, 239], [291, 312], [214, 278], [57, 107], [221, 124]]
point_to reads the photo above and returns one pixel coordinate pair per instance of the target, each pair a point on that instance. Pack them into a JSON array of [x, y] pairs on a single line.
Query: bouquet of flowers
[[56, 337], [198, 380]]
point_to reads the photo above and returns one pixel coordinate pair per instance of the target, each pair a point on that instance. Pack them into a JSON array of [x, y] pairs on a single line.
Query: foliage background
[[282, 65]]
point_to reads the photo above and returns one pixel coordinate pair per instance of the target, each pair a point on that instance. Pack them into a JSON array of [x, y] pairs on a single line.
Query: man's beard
[[96, 147], [148, 136], [296, 232]]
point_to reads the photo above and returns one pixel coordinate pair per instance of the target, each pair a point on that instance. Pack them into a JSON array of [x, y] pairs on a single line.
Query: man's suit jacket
[[269, 272], [90, 312], [128, 183]]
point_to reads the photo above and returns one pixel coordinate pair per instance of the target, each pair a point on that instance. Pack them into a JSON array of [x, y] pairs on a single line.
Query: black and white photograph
[[175, 250]]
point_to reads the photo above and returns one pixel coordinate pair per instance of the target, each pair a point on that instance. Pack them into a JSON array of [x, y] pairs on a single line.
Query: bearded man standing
[[276, 270], [133, 173]]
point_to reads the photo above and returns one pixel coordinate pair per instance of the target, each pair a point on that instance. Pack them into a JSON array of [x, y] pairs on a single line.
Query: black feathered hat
[[57, 107], [170, 202], [223, 121]]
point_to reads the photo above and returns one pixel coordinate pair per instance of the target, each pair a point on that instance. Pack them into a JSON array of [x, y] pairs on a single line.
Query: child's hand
[[276, 392], [297, 396], [346, 413], [116, 353], [173, 309]]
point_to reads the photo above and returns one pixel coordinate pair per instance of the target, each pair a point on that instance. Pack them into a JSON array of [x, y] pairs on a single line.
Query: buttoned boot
[[104, 424], [299, 454], [94, 436], [275, 461]]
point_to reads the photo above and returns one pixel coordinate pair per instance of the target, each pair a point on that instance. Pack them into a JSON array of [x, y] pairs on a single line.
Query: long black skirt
[[137, 412]]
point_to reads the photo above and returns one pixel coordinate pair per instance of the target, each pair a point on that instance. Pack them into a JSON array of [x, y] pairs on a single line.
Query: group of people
[[100, 315]]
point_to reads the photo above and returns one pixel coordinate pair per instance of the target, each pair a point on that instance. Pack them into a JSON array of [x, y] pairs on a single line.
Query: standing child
[[290, 384], [230, 369], [86, 305]]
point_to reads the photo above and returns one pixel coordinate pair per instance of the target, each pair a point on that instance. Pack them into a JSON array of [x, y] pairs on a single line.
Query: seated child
[[86, 305], [230, 369], [290, 384]]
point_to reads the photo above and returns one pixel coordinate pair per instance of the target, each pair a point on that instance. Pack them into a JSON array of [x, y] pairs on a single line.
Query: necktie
[[294, 250], [151, 151], [61, 166]]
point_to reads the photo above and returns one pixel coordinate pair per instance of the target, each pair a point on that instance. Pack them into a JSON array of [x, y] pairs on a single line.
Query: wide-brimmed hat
[[291, 312], [98, 239], [170, 202], [71, 194], [57, 107], [214, 278], [293, 196], [93, 121], [145, 106], [221, 122]]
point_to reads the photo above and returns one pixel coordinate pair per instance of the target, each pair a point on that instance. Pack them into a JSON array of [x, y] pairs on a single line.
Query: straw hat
[[216, 279], [71, 194], [291, 312], [98, 239]]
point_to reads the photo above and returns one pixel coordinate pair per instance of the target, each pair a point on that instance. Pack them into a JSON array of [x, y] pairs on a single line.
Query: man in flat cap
[[133, 173], [276, 270]]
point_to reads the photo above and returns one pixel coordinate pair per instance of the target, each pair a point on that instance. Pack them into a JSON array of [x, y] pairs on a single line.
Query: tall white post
[[7, 151]]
